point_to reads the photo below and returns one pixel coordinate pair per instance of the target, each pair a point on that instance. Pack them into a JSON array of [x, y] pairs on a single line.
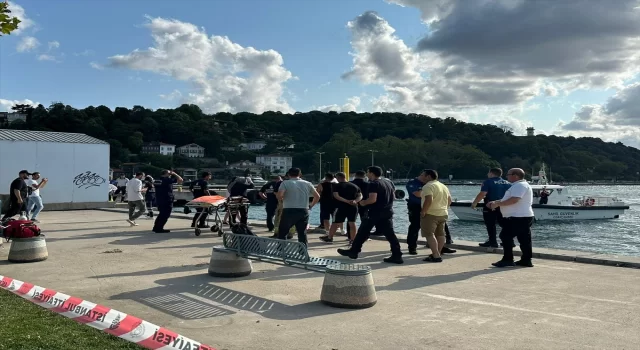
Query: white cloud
[[96, 65], [45, 57], [5, 105], [226, 76], [53, 45], [27, 44], [174, 95], [351, 105], [84, 53], [616, 120], [18, 11]]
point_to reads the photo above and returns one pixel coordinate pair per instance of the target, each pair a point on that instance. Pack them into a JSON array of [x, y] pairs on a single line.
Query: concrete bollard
[[348, 286], [25, 250], [228, 264]]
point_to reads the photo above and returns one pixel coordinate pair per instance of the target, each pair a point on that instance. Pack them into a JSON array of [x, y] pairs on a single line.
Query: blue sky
[[311, 36]]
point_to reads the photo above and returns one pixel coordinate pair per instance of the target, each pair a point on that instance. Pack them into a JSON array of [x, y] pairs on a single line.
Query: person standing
[[135, 198], [200, 188], [436, 200], [414, 206], [359, 180], [150, 195], [492, 189], [518, 218], [268, 193], [34, 203], [164, 199], [346, 195], [18, 192], [239, 188], [295, 194], [121, 183], [380, 216], [327, 205]]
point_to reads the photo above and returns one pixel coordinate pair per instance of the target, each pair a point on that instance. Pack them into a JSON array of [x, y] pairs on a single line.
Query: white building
[[276, 163], [253, 146], [76, 165], [167, 149], [191, 150]]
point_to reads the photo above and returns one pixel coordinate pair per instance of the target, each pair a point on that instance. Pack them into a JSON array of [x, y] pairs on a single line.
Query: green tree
[[7, 23]]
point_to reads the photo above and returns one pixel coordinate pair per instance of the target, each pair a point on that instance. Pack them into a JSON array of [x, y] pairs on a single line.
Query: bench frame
[[276, 251]]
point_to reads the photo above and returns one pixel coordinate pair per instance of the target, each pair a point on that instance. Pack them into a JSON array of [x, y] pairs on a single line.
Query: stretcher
[[212, 206]]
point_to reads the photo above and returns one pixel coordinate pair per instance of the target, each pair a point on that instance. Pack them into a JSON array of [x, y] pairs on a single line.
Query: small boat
[[560, 205]]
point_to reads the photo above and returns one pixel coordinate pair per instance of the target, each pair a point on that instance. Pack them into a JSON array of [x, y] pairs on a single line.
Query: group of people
[[24, 196]]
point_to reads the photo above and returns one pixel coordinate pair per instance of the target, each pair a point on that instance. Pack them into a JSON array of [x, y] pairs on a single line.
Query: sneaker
[[326, 239], [524, 263], [489, 244], [503, 263], [447, 250], [131, 222], [430, 258], [348, 253], [393, 260]]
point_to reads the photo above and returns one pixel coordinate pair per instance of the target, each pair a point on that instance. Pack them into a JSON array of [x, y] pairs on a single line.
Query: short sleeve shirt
[[495, 187], [440, 198], [164, 190], [522, 209], [346, 190], [296, 193], [20, 185], [385, 196], [134, 188], [413, 186]]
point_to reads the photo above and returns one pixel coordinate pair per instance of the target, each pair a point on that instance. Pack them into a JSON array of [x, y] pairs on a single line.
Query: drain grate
[[184, 307]]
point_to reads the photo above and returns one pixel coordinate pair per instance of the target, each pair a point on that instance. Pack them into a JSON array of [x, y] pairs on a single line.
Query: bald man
[[517, 219]]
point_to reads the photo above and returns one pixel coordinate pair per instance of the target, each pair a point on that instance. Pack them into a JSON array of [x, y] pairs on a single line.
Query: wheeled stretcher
[[212, 206]]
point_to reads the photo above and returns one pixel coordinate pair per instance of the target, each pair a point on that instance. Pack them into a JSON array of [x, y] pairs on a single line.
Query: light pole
[[320, 154], [372, 152]]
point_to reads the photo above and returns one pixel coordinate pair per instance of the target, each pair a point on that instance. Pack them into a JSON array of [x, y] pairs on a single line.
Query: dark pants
[[123, 191], [362, 213], [15, 208], [150, 198], [414, 225], [544, 200], [383, 224], [297, 217], [203, 218], [243, 210], [271, 213], [164, 211], [517, 228], [492, 218]]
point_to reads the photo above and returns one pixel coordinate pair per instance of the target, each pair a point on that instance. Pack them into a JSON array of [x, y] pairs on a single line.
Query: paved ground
[[459, 304]]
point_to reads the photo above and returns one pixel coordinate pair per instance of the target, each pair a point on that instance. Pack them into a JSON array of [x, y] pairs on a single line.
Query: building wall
[[77, 173], [191, 151], [280, 163], [167, 150]]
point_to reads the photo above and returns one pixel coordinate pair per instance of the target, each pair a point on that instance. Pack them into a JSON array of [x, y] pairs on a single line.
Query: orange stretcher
[[212, 206]]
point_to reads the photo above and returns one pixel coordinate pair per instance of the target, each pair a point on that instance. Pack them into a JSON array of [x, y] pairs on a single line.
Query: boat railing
[[598, 201]]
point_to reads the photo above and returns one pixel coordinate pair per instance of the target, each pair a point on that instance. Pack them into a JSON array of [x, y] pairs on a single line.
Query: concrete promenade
[[461, 303]]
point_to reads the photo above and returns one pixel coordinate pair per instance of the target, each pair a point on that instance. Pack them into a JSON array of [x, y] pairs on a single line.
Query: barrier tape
[[116, 323]]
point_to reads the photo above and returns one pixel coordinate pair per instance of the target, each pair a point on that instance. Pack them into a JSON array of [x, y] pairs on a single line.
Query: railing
[[598, 201]]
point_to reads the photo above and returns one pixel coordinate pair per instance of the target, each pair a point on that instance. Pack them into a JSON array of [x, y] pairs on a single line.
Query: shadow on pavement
[[169, 298]]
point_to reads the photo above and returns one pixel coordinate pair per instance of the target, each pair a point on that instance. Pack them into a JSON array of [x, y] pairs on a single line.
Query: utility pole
[[320, 174], [372, 159]]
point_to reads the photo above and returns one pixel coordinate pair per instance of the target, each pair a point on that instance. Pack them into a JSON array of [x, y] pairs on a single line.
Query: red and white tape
[[110, 321]]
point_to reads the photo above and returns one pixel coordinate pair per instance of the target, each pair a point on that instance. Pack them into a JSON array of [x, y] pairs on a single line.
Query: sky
[[568, 67]]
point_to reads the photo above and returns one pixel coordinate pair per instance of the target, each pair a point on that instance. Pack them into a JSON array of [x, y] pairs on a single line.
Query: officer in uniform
[[268, 193], [164, 199], [414, 205], [200, 188], [493, 189]]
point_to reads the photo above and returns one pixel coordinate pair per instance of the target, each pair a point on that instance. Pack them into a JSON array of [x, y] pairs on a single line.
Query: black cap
[[24, 172]]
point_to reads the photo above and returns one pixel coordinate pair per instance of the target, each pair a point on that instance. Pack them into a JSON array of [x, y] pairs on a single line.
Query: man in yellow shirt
[[434, 214]]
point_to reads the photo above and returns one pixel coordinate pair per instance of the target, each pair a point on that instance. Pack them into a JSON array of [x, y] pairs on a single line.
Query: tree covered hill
[[402, 143]]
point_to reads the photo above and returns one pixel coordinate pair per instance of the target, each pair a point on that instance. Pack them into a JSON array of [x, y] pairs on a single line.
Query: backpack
[[241, 229], [20, 229]]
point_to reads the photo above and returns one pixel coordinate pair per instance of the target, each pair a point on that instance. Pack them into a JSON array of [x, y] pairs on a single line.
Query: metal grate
[[348, 269], [184, 307]]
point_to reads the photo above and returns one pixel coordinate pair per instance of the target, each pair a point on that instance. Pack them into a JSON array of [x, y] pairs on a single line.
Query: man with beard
[[18, 192]]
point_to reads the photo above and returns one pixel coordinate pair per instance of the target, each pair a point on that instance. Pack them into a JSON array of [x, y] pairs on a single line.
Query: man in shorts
[[347, 196], [436, 200]]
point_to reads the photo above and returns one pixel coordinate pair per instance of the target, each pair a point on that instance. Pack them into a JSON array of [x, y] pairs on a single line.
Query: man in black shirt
[[164, 199], [346, 195], [149, 195], [268, 193], [380, 216], [239, 189], [200, 188], [327, 203], [18, 192], [363, 185]]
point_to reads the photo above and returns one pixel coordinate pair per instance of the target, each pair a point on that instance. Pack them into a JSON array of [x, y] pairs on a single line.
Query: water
[[617, 236]]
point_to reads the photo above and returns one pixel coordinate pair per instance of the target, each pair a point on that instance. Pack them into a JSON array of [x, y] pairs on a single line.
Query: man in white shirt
[[121, 183], [135, 198], [34, 203], [518, 218]]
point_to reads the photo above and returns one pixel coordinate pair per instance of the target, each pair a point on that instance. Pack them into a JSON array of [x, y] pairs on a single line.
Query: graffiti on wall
[[88, 179]]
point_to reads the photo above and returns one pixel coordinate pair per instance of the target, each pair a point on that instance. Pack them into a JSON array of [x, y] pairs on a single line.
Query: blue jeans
[[34, 206]]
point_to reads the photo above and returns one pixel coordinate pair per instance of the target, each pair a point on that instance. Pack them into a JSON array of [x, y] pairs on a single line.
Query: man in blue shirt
[[164, 199], [492, 189]]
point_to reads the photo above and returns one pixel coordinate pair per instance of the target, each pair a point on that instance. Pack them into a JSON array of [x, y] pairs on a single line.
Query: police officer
[[492, 189], [414, 205], [200, 188], [164, 199], [268, 193]]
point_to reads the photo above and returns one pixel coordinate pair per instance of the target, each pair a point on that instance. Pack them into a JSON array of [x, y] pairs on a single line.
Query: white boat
[[258, 181], [560, 205]]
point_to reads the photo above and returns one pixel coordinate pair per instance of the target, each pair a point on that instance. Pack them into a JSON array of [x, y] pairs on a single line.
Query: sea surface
[[616, 236]]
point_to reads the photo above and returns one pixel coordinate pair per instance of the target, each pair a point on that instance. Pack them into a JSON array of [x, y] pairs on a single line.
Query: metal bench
[[277, 251]]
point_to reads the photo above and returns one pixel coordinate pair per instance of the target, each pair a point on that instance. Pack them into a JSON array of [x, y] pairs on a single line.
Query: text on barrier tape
[[108, 320]]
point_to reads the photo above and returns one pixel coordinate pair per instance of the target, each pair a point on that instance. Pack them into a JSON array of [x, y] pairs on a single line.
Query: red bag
[[20, 229]]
